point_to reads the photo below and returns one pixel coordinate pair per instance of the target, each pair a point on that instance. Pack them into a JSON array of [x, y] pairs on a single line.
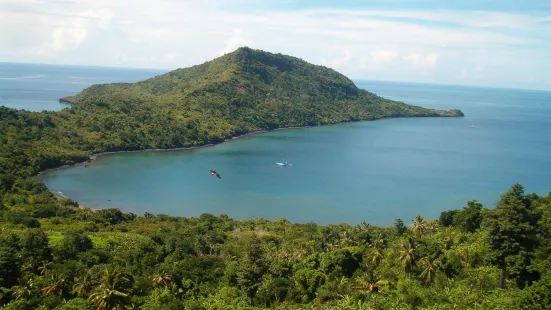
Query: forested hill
[[244, 91], [249, 90]]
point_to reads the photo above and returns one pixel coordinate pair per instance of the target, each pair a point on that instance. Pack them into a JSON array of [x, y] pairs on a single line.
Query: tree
[[377, 250], [23, 290], [428, 267], [252, 267], [407, 255], [470, 218], [113, 216], [446, 217], [161, 278], [162, 299], [399, 227], [45, 268], [419, 225], [513, 234], [83, 284], [9, 264], [35, 247], [112, 292], [54, 285], [369, 285], [72, 244]]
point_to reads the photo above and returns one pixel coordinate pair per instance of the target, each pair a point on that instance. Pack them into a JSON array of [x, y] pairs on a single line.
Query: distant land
[[241, 92]]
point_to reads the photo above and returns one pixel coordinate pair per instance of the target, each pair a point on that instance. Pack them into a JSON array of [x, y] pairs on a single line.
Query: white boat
[[472, 126], [283, 164]]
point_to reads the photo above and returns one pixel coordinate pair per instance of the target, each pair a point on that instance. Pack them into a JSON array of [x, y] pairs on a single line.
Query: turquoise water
[[366, 171]]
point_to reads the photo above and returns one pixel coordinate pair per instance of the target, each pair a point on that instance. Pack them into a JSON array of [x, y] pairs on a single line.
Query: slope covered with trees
[[54, 255], [244, 91]]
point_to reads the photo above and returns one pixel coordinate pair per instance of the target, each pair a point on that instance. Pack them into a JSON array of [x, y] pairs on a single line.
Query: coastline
[[59, 195], [189, 148], [253, 133], [92, 157]]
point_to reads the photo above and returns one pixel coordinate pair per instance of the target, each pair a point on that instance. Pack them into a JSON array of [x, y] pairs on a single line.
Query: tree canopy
[[81, 259]]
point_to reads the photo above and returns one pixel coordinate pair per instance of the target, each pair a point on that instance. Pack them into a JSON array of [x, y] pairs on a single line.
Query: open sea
[[365, 171]]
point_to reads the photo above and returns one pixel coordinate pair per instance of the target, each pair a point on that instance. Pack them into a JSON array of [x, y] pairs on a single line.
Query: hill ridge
[[241, 92]]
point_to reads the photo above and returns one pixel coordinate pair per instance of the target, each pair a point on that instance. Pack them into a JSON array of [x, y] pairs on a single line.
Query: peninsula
[[241, 92]]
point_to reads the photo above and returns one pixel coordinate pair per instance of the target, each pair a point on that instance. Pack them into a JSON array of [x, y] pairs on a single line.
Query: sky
[[497, 43]]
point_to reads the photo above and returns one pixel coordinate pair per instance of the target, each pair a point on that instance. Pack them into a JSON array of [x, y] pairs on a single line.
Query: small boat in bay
[[283, 164]]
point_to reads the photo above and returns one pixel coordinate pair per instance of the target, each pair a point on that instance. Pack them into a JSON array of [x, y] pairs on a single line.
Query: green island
[[55, 255]]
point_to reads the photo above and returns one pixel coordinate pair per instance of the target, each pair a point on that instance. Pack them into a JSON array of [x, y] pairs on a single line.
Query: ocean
[[365, 171]]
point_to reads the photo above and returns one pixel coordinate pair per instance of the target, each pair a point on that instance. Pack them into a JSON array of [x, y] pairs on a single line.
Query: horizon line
[[166, 70]]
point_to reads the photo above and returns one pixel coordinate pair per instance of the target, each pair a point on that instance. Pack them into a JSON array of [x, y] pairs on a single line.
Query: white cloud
[[419, 60], [337, 62], [66, 38], [62, 39], [378, 58], [103, 14], [237, 40]]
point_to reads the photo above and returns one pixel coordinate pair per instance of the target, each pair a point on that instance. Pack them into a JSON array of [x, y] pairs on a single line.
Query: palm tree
[[407, 255], [45, 268], [433, 226], [363, 226], [370, 285], [82, 284], [345, 239], [419, 225], [109, 294], [23, 290], [429, 268], [54, 285], [377, 250], [161, 278]]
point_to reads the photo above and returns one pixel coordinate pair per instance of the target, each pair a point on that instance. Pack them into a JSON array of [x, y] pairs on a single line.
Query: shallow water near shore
[[366, 171]]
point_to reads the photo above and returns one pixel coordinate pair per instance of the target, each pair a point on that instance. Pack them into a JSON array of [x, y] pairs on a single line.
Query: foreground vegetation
[[54, 255]]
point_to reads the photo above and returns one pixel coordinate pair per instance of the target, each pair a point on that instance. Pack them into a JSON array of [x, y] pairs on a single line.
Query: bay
[[366, 171]]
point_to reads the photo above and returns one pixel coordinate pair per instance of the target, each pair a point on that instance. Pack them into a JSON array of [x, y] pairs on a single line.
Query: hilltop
[[248, 90]]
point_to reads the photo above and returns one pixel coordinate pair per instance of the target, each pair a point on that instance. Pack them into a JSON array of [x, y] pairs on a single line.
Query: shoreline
[[253, 133], [189, 148], [60, 195]]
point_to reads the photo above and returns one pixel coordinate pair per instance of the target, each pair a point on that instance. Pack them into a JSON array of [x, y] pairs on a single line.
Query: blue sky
[[501, 43]]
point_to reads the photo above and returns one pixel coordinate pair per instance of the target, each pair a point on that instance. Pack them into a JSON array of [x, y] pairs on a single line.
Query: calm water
[[36, 87], [367, 171]]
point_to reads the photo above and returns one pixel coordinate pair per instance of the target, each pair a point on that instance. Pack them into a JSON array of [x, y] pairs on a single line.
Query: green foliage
[[513, 228], [467, 220], [72, 244], [77, 304], [399, 227], [214, 262]]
